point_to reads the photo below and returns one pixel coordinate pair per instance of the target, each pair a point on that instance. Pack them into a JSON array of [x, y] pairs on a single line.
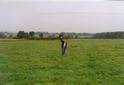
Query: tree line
[[46, 35], [30, 35], [68, 35], [109, 35]]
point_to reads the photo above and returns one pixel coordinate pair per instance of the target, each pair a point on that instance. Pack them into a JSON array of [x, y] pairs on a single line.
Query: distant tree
[[31, 34], [26, 35], [2, 35], [21, 34], [41, 35]]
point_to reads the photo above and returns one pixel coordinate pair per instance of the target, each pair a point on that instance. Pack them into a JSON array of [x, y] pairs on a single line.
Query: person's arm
[[61, 39]]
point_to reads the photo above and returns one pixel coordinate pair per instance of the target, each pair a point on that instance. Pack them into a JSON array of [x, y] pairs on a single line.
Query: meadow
[[39, 62]]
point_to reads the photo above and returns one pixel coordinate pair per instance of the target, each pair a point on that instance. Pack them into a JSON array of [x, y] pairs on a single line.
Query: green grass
[[87, 62]]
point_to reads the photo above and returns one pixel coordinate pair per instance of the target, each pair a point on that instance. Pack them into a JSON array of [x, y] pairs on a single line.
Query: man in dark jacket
[[63, 45]]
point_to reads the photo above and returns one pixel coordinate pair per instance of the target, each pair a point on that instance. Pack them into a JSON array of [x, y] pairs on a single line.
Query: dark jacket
[[62, 45]]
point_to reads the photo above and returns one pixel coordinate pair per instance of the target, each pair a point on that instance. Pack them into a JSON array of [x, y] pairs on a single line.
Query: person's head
[[65, 40]]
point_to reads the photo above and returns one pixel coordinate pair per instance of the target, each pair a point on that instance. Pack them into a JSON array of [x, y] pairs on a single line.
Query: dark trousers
[[63, 51]]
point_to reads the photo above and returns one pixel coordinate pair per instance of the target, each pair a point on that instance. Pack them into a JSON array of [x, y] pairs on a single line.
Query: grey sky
[[61, 15]]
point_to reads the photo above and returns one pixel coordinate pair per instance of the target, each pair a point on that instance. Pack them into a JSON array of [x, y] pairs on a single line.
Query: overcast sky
[[62, 15]]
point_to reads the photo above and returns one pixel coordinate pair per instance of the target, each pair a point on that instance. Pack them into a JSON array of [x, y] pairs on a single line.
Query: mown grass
[[87, 62]]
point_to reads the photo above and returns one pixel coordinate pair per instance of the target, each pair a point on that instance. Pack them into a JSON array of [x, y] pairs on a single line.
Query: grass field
[[87, 62]]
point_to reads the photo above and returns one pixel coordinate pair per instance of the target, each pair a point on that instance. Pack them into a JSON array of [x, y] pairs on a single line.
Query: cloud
[[115, 0], [61, 15], [50, 0]]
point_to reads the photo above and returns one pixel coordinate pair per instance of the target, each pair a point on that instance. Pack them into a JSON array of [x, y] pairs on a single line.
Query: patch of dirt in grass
[[73, 46], [3, 49], [15, 53]]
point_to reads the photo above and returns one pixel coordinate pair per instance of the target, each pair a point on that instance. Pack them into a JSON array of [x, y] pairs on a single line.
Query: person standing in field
[[63, 45]]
